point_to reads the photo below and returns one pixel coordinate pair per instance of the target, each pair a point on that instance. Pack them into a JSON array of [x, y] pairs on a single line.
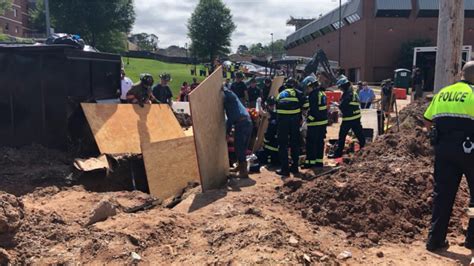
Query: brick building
[[373, 32], [15, 21]]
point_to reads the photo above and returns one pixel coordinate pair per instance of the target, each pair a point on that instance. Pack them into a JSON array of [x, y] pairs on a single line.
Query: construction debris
[[92, 164], [103, 210], [11, 213]]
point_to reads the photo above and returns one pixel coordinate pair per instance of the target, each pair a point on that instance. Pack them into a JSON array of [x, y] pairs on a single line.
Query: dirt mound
[[11, 213], [384, 192]]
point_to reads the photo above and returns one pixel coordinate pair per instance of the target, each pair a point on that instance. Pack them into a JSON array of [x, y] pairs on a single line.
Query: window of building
[[15, 13], [7, 27], [353, 18], [17, 30], [339, 24]]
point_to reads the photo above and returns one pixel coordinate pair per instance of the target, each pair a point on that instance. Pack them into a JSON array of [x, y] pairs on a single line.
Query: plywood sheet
[[262, 128], [170, 165], [120, 128], [207, 113]]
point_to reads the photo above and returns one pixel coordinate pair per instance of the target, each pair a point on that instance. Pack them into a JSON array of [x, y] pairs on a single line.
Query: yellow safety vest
[[456, 100]]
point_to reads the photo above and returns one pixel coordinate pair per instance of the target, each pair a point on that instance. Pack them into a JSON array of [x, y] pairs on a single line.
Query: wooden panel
[[262, 128], [120, 128], [170, 165], [207, 113]]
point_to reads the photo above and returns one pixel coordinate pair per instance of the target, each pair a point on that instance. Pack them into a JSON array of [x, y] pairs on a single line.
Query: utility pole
[[48, 21], [272, 55], [340, 32], [272, 44], [450, 41]]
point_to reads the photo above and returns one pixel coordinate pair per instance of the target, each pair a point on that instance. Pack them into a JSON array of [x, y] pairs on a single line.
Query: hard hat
[[314, 83], [146, 79], [291, 83], [342, 80], [309, 79]]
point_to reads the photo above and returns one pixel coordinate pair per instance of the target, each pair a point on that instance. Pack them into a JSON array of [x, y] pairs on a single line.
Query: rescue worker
[[351, 115], [141, 92], [267, 86], [239, 118], [270, 141], [451, 118], [316, 122], [162, 91], [289, 104]]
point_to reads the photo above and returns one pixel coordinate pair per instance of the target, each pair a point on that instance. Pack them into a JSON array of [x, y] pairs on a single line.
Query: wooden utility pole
[[450, 41]]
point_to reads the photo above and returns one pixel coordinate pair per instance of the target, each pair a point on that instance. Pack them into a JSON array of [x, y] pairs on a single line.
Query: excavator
[[320, 62]]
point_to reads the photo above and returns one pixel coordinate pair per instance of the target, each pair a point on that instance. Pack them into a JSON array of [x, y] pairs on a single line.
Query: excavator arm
[[320, 59]]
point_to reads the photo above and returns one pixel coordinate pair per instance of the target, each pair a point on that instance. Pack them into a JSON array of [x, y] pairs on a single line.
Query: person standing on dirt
[[451, 119], [162, 91], [126, 85], [351, 115], [289, 104], [239, 118], [270, 141], [366, 96], [240, 89], [317, 122], [417, 84], [141, 93]]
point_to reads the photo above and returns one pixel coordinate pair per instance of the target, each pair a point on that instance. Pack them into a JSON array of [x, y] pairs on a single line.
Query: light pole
[[340, 32], [271, 66], [48, 23], [272, 44]]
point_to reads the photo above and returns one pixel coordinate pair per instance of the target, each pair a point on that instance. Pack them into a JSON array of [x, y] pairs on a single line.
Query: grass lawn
[[179, 72]]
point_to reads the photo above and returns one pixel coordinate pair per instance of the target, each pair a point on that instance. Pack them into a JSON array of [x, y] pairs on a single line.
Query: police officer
[[317, 122], [351, 115], [270, 141], [451, 117], [289, 103]]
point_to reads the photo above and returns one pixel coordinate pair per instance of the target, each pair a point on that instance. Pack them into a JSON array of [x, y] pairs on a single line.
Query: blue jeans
[[243, 130]]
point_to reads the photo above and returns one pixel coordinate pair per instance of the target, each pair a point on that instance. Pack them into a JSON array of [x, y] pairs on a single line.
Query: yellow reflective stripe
[[289, 99], [318, 123], [351, 117], [289, 112], [357, 111], [306, 105], [319, 160], [354, 103], [310, 162], [311, 117], [270, 147], [321, 108]]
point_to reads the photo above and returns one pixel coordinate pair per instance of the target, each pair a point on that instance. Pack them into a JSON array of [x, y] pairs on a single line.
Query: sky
[[255, 19]]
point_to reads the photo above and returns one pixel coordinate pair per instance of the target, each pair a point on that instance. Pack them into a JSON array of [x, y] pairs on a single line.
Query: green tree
[[145, 41], [259, 49], [5, 5], [210, 28], [407, 50], [95, 21]]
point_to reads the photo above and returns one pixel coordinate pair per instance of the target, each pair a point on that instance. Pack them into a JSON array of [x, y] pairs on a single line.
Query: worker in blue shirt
[[366, 96], [239, 118]]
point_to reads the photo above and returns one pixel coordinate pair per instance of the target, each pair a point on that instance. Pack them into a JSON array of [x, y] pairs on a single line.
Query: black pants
[[289, 131], [450, 164], [315, 146], [356, 127]]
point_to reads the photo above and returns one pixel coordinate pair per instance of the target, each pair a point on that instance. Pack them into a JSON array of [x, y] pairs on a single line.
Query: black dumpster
[[41, 88]]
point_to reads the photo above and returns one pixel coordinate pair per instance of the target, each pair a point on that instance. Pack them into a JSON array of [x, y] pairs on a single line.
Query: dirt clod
[[11, 213], [103, 210]]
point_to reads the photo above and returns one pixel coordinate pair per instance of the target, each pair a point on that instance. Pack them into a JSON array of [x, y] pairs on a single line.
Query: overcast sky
[[255, 19]]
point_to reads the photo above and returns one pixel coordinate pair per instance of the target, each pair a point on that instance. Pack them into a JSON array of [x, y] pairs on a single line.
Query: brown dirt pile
[[383, 192]]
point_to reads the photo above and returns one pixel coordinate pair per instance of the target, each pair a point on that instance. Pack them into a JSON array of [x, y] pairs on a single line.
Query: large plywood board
[[262, 128], [121, 128], [207, 113], [170, 165]]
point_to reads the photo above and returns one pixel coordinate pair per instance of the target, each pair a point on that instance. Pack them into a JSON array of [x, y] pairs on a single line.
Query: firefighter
[[141, 92], [451, 118], [351, 115], [316, 121], [270, 141], [288, 108]]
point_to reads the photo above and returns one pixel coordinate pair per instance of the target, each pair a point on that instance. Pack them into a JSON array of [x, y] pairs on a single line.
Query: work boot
[[295, 170], [243, 172], [432, 246], [283, 173]]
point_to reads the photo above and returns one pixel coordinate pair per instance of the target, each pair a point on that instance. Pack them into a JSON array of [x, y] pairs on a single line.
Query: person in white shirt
[[126, 86]]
